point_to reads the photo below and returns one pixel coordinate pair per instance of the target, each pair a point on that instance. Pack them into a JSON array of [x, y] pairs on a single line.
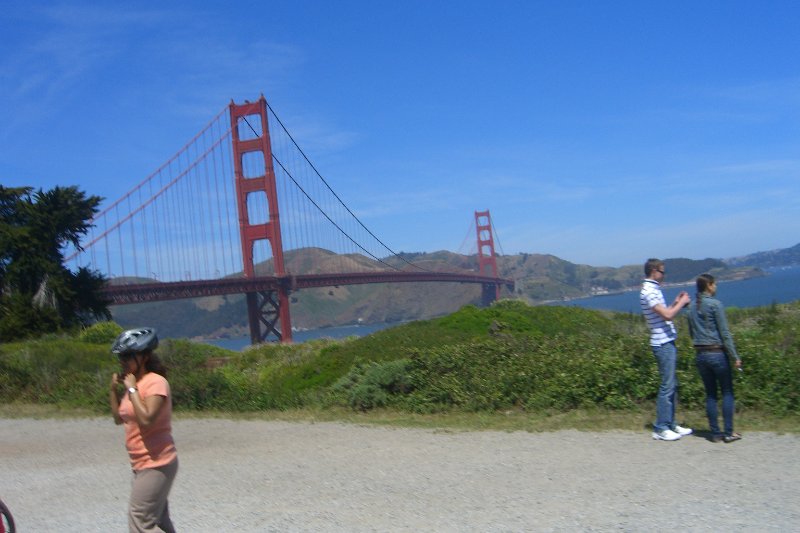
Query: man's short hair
[[651, 265]]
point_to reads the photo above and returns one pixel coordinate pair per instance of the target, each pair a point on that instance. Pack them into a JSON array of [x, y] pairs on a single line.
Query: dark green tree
[[38, 293]]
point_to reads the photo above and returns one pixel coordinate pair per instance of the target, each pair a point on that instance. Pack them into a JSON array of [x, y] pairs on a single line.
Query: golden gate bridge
[[230, 213]]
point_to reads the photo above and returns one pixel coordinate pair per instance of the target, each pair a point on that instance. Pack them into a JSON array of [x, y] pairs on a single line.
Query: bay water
[[778, 286], [337, 332]]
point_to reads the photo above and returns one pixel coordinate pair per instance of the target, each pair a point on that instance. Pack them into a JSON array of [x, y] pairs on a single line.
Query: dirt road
[[73, 475]]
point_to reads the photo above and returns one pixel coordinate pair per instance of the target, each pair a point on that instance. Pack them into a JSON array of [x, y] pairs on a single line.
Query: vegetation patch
[[509, 360]]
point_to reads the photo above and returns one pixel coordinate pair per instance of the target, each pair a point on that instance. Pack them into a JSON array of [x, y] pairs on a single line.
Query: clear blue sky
[[601, 132]]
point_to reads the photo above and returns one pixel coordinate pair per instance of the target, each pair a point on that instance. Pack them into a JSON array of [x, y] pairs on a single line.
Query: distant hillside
[[539, 278], [772, 259], [546, 278], [222, 316]]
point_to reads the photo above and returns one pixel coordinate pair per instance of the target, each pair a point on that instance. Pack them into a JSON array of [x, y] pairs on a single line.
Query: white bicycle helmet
[[135, 341]]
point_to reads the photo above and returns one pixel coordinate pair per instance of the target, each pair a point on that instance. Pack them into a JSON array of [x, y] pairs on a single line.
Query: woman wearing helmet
[[144, 406]]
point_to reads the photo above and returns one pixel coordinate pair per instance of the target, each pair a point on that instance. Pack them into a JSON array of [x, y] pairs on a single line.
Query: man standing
[[662, 342]]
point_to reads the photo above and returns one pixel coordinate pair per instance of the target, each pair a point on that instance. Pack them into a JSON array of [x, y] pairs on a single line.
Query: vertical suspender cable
[[119, 236], [159, 269]]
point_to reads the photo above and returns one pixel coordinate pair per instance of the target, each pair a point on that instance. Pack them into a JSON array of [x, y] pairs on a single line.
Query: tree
[[38, 293]]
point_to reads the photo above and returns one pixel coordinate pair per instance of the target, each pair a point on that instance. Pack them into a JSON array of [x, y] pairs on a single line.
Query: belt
[[709, 348]]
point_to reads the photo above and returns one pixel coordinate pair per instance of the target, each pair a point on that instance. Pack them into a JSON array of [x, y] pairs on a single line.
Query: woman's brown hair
[[703, 282], [155, 365]]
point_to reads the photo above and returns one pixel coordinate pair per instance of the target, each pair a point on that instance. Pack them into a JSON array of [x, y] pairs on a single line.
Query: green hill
[[771, 259], [510, 356]]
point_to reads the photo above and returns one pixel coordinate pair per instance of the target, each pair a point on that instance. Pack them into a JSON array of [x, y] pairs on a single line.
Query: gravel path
[[72, 475]]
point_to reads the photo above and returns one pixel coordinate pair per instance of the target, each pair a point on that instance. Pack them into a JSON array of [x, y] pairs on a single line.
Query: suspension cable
[[343, 232], [470, 232], [336, 195], [329, 218], [496, 236]]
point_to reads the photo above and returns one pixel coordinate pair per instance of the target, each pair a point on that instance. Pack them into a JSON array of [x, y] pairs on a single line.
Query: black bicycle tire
[[6, 516]]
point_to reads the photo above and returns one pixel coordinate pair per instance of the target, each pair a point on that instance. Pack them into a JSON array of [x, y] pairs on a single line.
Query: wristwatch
[[131, 390]]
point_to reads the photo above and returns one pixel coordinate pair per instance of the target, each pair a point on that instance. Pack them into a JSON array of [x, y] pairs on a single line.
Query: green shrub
[[509, 356], [372, 385], [558, 373], [101, 333], [56, 370]]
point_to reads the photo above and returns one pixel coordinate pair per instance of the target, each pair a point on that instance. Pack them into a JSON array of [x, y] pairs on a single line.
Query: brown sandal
[[732, 437]]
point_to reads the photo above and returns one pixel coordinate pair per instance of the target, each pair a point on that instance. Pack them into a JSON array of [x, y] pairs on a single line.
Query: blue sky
[[600, 132]]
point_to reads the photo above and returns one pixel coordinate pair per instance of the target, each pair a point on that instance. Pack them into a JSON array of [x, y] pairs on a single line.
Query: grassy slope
[[480, 350]]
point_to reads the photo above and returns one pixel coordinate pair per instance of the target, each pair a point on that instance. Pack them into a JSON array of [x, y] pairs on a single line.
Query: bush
[[509, 356], [60, 371], [558, 373], [368, 386], [101, 333]]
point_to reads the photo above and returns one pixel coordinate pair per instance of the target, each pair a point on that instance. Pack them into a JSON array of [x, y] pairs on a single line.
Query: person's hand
[[682, 299], [738, 364], [130, 381], [114, 380]]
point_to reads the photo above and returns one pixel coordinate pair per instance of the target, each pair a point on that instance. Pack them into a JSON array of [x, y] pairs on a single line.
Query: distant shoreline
[[760, 273]]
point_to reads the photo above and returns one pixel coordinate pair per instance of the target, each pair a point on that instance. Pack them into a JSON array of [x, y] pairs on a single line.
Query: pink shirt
[[153, 446]]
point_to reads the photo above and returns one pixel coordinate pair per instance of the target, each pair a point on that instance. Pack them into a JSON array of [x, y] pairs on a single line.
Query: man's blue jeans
[[715, 369], [667, 359]]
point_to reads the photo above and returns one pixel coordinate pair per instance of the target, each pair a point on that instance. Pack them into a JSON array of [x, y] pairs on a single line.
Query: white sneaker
[[667, 434], [682, 431]]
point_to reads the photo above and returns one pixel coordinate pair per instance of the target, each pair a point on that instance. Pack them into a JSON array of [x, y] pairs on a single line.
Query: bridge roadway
[[153, 292]]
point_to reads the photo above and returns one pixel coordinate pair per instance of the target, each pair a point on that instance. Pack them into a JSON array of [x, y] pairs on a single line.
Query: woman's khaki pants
[[148, 510]]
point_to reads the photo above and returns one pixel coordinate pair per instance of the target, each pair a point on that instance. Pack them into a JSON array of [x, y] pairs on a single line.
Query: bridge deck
[[152, 292]]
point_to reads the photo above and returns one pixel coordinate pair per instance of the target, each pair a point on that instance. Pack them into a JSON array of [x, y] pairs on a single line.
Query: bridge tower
[[487, 260], [250, 139]]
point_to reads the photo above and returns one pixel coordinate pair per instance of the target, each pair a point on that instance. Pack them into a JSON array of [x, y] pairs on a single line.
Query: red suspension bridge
[[229, 214]]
